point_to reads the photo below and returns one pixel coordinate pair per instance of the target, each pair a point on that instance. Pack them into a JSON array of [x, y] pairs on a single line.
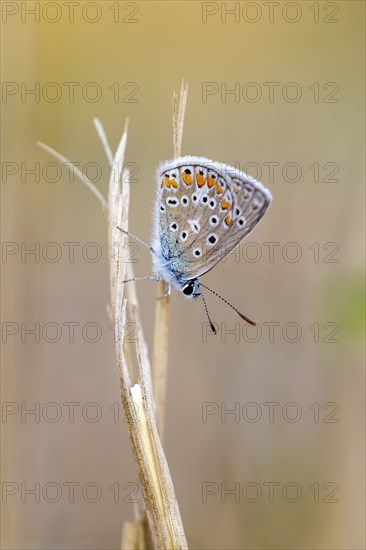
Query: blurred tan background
[[299, 484]]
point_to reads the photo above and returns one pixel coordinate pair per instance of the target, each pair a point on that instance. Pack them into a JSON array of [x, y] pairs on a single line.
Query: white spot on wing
[[195, 226]]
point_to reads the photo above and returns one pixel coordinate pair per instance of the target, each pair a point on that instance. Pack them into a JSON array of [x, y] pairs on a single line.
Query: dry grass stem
[[159, 502], [77, 171], [162, 311]]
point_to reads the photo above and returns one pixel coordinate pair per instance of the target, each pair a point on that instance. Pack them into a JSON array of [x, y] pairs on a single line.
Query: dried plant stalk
[[160, 503], [162, 311], [133, 536]]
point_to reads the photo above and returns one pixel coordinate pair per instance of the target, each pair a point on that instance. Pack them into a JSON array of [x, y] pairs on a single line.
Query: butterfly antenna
[[208, 316], [137, 239], [228, 303]]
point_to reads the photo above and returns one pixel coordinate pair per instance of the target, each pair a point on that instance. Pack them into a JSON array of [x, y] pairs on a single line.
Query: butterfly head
[[191, 289]]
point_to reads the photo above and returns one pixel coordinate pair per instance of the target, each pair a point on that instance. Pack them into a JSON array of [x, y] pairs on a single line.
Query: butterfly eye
[[188, 288]]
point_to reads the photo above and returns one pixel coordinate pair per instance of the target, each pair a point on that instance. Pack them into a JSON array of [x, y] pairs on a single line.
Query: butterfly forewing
[[205, 210]]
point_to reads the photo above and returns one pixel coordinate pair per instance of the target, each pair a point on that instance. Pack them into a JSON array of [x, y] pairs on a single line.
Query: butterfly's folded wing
[[249, 205], [209, 208]]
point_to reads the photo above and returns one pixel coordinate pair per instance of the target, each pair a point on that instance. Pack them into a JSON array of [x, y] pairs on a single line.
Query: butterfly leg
[[151, 278], [137, 239], [167, 294]]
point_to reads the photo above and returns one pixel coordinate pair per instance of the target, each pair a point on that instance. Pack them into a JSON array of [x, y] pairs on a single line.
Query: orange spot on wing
[[219, 189], [187, 178], [174, 183], [225, 204], [246, 195], [236, 189], [227, 219], [200, 180], [210, 182], [165, 180]]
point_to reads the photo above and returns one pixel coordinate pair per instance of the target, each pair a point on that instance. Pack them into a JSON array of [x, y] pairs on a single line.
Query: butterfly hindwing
[[205, 210]]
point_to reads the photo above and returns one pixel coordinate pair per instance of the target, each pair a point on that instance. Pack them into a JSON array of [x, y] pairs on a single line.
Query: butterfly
[[203, 210]]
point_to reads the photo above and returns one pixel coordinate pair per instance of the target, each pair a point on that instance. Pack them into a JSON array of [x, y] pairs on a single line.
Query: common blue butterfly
[[203, 210]]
